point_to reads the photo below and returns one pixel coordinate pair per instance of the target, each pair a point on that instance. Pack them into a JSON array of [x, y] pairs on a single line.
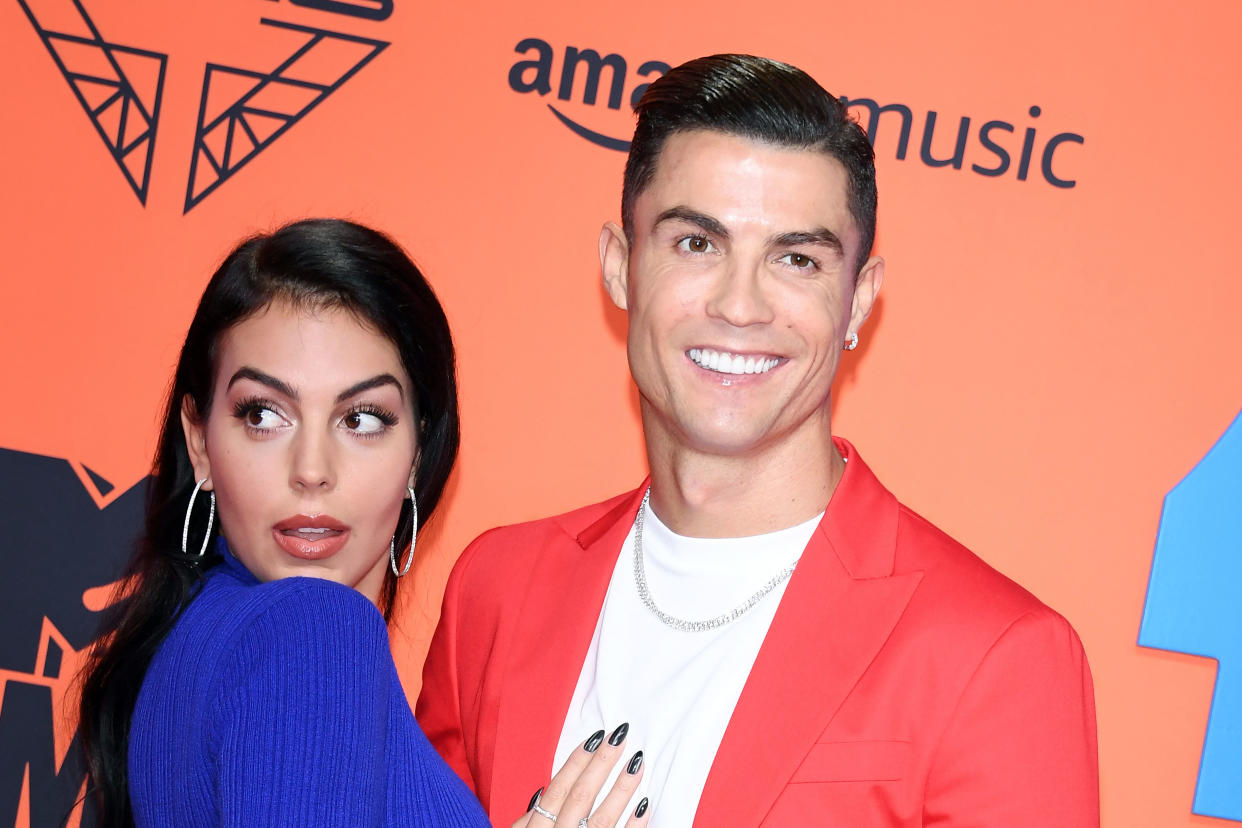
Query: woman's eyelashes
[[258, 415], [263, 417], [368, 420]]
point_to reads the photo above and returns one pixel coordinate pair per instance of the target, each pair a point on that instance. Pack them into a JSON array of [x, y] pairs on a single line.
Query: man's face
[[741, 292]]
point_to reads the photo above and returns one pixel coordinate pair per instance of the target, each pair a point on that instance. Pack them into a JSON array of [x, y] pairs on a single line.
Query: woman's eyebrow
[[246, 372], [367, 384], [289, 391]]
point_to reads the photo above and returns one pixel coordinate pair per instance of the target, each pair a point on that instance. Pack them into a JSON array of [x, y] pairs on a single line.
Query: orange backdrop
[[1045, 364]]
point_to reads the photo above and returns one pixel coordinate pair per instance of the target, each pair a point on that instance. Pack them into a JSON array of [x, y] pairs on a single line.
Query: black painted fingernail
[[618, 735], [534, 800], [633, 766], [641, 809], [597, 739]]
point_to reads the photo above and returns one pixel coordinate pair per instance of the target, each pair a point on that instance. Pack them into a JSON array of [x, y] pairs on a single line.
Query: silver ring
[[584, 823], [545, 813]]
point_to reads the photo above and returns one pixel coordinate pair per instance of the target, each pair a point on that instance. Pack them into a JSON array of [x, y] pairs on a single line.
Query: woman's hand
[[569, 797]]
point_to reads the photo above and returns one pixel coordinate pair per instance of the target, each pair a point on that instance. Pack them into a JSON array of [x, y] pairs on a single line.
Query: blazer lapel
[[838, 610], [549, 643]]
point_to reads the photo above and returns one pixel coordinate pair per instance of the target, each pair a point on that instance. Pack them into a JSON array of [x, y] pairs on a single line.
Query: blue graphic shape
[[108, 81], [226, 142], [1194, 606]]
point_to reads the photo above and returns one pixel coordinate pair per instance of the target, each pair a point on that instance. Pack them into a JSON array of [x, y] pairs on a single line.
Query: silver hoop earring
[[392, 544], [853, 341], [189, 510]]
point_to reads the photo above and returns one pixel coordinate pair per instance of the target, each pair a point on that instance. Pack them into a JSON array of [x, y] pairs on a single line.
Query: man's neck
[[704, 495]]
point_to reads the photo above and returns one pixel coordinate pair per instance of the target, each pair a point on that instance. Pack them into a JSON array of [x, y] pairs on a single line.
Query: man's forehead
[[741, 180]]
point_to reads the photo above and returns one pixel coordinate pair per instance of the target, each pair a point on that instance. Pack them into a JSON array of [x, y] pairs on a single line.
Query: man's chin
[[730, 441]]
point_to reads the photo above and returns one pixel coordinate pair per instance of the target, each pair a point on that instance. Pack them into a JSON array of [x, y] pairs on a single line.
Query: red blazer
[[903, 682]]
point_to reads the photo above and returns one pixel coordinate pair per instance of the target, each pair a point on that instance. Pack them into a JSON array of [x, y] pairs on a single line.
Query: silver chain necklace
[[640, 579]]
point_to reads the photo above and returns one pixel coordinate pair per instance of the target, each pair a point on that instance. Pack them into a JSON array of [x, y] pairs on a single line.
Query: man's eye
[[695, 244], [799, 260]]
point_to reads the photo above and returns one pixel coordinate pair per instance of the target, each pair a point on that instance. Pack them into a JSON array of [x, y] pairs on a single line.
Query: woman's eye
[[363, 422], [695, 244], [262, 418]]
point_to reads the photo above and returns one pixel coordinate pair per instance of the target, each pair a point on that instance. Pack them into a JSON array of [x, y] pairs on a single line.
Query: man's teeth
[[727, 363]]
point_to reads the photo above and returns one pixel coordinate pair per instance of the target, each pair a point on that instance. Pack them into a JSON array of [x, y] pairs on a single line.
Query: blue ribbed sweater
[[279, 704]]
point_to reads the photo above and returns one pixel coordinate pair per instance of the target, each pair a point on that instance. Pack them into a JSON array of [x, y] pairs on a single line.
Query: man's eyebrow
[[701, 220], [367, 384], [258, 376], [820, 236]]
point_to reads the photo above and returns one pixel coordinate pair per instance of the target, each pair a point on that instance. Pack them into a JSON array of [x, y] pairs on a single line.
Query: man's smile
[[724, 362]]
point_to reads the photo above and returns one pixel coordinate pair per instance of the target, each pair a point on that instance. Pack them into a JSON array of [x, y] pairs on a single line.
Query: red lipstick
[[310, 537]]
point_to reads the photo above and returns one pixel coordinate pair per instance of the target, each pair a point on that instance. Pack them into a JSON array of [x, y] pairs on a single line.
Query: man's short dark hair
[[756, 98]]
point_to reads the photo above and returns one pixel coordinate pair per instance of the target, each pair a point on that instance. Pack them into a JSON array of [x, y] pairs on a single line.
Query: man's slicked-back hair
[[756, 98]]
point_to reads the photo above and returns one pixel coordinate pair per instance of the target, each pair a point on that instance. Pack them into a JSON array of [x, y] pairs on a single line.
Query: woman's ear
[[418, 456], [196, 441]]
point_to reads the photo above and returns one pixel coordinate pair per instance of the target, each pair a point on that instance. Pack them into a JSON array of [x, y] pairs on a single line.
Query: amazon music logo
[[588, 73], [995, 150], [584, 81], [242, 109]]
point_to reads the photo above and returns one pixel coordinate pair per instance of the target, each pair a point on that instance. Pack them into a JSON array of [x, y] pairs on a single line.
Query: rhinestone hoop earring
[[392, 544], [189, 510], [853, 342]]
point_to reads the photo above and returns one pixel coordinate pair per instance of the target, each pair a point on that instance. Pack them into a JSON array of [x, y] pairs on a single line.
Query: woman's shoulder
[[239, 647], [286, 608], [287, 624], [302, 594]]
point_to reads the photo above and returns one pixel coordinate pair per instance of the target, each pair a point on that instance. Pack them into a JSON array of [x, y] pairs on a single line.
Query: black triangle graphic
[[262, 125], [51, 665], [97, 92], [101, 485], [200, 186], [134, 105]]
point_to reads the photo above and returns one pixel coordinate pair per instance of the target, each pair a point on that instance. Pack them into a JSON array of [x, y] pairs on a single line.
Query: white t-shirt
[[677, 689]]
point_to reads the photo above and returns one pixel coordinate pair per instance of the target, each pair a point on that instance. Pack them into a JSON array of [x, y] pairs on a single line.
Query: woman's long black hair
[[315, 264]]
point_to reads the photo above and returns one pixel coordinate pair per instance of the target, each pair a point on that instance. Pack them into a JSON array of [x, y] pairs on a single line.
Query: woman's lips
[[310, 537]]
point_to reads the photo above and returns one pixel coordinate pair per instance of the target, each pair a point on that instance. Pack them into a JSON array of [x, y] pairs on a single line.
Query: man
[[787, 643]]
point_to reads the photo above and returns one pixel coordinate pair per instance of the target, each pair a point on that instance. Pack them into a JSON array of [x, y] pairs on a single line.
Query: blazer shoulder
[[503, 553], [517, 542], [960, 589]]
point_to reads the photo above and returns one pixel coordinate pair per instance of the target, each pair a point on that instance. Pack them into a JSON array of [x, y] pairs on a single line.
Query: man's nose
[[738, 296]]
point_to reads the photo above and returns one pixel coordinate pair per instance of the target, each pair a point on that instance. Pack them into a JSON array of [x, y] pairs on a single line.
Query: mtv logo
[[57, 545]]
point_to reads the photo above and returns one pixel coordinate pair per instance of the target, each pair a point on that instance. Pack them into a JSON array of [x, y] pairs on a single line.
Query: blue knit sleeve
[[300, 717]]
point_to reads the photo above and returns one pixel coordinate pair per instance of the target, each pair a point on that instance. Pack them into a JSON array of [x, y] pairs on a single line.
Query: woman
[[315, 391], [311, 422]]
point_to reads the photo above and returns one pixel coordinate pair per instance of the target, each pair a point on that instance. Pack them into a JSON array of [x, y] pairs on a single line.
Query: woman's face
[[309, 445]]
